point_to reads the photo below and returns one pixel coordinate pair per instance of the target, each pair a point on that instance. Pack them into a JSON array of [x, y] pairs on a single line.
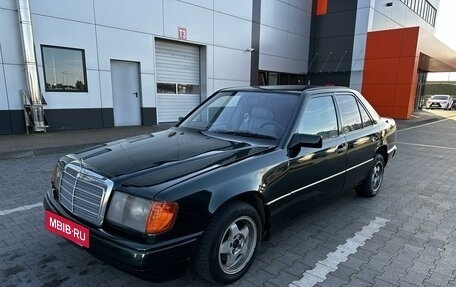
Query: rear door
[[361, 135]]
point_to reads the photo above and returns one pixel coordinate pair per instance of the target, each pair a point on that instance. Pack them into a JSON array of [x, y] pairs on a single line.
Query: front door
[[126, 93], [314, 173]]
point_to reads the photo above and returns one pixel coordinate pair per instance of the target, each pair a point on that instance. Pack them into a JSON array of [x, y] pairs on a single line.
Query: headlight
[[56, 176], [140, 214]]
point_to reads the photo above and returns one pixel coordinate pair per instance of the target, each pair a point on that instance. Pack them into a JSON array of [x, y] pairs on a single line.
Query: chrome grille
[[84, 193]]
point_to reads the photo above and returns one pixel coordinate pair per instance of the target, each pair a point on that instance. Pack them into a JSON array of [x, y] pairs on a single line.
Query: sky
[[445, 30]]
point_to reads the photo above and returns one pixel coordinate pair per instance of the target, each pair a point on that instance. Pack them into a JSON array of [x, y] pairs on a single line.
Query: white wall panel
[[238, 8], [381, 22], [274, 13], [359, 52], [298, 21], [296, 47], [57, 32], [3, 96], [198, 21], [221, 84], [279, 64], [80, 10], [8, 4], [209, 88], [399, 13], [366, 3], [362, 20], [305, 5], [148, 90], [271, 41], [106, 89], [15, 81], [209, 61], [231, 64], [61, 100], [126, 46], [139, 15], [232, 32], [10, 37], [380, 6], [209, 4]]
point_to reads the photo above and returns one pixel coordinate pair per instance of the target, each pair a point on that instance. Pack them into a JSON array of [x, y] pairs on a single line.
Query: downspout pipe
[[31, 71]]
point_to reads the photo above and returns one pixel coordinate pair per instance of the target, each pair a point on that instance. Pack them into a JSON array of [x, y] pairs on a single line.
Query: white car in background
[[439, 102]]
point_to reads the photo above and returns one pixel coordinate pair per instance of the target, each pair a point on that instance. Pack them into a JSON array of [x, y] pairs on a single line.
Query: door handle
[[341, 148], [136, 93]]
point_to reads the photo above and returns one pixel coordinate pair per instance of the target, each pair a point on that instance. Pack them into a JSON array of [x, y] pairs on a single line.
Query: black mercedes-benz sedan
[[207, 191]]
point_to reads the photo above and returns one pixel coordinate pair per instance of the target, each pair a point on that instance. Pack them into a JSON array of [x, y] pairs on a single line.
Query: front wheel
[[372, 183], [228, 246]]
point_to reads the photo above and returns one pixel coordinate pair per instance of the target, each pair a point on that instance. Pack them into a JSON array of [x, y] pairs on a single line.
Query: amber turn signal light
[[161, 217]]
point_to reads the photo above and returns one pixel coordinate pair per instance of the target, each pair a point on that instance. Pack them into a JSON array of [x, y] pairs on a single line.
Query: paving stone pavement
[[416, 247]]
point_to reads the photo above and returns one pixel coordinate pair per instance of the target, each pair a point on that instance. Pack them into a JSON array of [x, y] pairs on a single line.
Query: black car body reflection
[[207, 190]]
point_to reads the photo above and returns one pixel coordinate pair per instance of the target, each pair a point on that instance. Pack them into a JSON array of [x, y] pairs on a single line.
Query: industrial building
[[104, 63]]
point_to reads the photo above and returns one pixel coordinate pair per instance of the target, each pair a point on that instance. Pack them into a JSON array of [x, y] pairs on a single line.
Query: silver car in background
[[439, 102]]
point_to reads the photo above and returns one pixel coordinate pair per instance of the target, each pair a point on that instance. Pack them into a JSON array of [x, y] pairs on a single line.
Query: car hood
[[438, 101], [171, 155]]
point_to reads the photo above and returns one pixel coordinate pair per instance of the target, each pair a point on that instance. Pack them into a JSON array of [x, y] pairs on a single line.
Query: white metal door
[[178, 79], [126, 93]]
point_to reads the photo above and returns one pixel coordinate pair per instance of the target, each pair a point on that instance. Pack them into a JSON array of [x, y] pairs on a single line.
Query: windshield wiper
[[245, 134]]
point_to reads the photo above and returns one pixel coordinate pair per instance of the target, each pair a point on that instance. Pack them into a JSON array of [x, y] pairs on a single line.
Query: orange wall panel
[[409, 42], [380, 71], [400, 113], [379, 94], [385, 111], [402, 95], [383, 44], [322, 7], [407, 70], [390, 71]]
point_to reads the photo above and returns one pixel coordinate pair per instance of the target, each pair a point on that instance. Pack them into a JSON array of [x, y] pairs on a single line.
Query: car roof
[[297, 89]]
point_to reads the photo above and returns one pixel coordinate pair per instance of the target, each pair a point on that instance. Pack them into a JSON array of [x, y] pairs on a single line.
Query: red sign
[[182, 33], [67, 229]]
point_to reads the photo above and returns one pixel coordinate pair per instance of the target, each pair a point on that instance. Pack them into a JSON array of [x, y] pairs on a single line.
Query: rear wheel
[[228, 246], [372, 183]]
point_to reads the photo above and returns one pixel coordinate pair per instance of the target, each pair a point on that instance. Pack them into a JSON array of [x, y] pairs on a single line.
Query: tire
[[370, 186], [236, 230]]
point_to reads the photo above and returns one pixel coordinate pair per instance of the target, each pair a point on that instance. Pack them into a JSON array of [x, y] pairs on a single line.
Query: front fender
[[199, 198]]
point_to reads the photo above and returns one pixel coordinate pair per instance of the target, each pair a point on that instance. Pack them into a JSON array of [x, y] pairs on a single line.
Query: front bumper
[[158, 261], [392, 151], [436, 105]]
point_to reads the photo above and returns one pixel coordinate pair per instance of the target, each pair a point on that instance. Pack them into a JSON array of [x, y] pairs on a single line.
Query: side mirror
[[305, 140], [180, 119]]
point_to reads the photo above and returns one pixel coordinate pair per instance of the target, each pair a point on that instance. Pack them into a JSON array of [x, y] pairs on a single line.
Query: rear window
[[368, 107]]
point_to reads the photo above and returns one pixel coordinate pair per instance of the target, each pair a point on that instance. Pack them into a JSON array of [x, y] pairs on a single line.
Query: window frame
[[84, 69], [296, 128], [358, 103]]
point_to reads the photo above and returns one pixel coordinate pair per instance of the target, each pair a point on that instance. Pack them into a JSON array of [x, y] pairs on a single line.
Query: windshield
[[253, 114], [440, 97]]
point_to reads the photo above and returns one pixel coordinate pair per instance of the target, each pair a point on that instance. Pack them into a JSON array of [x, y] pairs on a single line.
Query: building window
[[268, 78], [64, 69], [423, 8], [170, 88]]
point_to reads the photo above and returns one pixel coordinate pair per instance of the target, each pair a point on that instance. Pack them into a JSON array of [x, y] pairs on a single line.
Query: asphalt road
[[413, 245]]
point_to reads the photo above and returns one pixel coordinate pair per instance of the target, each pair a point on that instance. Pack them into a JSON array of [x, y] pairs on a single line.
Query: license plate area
[[68, 229]]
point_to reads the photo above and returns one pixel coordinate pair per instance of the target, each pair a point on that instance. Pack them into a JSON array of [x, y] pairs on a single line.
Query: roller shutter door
[[178, 79]]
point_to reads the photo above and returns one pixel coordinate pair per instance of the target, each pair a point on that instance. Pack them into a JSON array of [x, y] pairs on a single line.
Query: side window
[[349, 113], [319, 118], [364, 116]]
